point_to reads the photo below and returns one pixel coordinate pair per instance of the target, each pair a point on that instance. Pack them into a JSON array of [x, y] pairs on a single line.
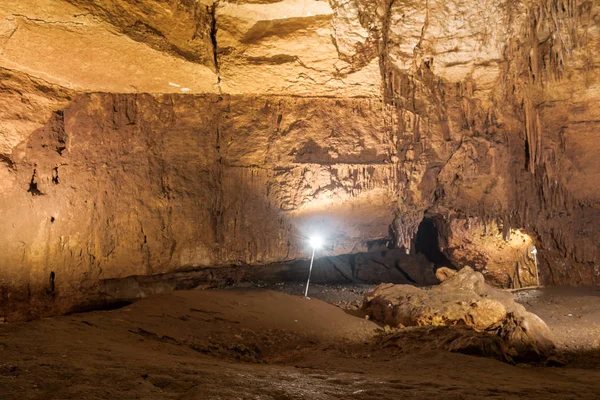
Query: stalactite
[[506, 228], [552, 36], [404, 228], [533, 135]]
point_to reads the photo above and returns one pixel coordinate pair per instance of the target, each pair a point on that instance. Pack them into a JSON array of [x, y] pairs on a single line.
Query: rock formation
[[464, 300], [141, 138]]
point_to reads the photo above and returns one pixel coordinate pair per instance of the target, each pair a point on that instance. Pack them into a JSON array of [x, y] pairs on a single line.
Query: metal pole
[[537, 271], [309, 272]]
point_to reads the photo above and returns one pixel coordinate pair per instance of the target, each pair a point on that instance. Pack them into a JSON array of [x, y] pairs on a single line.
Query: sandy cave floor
[[249, 343]]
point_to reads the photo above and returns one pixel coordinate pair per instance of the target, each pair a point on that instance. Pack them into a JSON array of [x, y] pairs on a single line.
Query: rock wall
[[147, 138], [120, 185]]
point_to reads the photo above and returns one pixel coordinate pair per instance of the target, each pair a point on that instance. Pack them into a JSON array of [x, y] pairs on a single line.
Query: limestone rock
[[139, 138], [444, 273], [464, 300], [501, 253], [26, 105], [68, 46]]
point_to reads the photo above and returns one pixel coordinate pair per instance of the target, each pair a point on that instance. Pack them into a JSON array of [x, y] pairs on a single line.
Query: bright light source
[[533, 250], [316, 242]]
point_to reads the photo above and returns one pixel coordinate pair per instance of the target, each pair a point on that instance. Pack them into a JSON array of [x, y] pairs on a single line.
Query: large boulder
[[464, 300]]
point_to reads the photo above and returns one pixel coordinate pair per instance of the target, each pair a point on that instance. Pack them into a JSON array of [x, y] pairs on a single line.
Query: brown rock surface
[[68, 46], [503, 256], [444, 273], [464, 300], [260, 344], [148, 137]]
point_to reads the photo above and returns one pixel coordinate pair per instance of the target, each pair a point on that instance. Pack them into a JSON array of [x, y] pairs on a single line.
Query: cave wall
[[149, 137], [121, 185]]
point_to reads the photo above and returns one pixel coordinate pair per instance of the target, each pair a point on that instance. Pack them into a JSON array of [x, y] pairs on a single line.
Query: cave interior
[[167, 166]]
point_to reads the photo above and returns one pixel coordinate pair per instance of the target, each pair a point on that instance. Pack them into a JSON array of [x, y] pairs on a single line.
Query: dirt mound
[[465, 300], [453, 339], [257, 344]]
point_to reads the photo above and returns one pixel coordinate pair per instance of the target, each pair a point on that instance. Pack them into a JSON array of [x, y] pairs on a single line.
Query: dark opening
[[55, 175], [33, 187], [100, 306], [51, 286], [427, 244]]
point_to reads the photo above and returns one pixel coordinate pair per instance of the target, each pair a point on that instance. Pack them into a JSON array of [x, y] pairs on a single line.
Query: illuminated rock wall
[[145, 138]]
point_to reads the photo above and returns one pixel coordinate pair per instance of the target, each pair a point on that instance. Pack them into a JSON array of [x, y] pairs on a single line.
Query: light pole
[[315, 242], [537, 272]]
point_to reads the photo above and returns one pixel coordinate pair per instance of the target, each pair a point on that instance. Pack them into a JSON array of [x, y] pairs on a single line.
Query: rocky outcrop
[[504, 256], [26, 106], [464, 300], [147, 138]]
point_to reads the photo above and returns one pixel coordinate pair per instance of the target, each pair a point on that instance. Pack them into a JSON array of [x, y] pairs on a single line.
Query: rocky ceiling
[[145, 137]]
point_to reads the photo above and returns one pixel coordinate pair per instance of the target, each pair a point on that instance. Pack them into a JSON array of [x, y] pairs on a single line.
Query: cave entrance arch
[[427, 243]]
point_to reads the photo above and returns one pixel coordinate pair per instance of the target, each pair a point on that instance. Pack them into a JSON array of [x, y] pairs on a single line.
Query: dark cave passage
[[426, 243]]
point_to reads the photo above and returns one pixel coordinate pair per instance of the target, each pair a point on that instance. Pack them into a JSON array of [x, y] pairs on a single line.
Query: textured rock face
[[157, 184], [505, 258], [464, 300], [149, 137]]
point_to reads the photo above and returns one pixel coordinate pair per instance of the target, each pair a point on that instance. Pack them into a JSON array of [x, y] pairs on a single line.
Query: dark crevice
[[55, 175], [33, 186], [100, 306], [212, 11], [6, 160], [427, 243], [57, 127], [51, 285]]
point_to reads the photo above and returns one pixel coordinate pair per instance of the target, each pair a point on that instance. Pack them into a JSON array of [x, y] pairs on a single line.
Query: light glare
[[316, 242]]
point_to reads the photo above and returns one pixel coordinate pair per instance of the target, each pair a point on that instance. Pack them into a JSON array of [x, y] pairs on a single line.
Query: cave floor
[[251, 343]]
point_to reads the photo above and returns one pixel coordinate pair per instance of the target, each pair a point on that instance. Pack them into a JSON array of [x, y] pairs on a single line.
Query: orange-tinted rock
[[463, 299], [503, 256], [444, 273], [158, 136]]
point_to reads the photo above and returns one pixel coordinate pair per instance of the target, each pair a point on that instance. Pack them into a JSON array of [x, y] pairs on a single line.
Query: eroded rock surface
[[503, 256], [464, 300], [139, 138]]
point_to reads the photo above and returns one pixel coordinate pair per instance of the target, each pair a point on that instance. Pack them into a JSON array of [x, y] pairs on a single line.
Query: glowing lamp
[[537, 271], [316, 242]]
